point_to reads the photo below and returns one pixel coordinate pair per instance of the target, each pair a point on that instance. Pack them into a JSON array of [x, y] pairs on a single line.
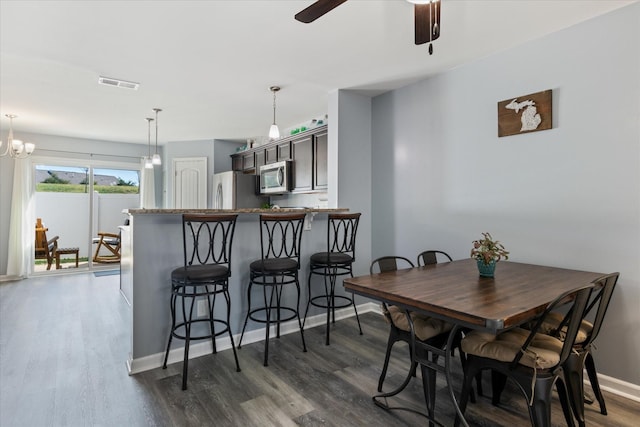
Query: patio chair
[[48, 248], [111, 244], [45, 248]]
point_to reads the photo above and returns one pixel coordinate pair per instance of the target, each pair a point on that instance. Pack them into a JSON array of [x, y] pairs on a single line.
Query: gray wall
[[349, 166], [567, 197], [222, 151], [216, 151]]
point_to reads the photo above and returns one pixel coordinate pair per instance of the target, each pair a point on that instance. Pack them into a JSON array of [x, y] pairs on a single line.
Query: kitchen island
[[152, 248]]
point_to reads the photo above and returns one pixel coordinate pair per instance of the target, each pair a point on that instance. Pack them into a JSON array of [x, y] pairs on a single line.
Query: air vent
[[108, 81]]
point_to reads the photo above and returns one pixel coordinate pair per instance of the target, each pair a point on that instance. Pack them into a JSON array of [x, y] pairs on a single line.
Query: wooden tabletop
[[455, 292]]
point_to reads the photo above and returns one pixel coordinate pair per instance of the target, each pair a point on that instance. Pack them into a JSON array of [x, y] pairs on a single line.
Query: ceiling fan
[[426, 12]]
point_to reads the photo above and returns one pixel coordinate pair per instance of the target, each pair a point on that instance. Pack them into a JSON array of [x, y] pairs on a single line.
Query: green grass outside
[[63, 260], [81, 188]]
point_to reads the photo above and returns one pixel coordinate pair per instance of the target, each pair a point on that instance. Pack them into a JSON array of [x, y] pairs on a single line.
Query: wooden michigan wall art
[[524, 114]]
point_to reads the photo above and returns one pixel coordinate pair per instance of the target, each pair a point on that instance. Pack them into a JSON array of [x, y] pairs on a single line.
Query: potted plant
[[487, 253]]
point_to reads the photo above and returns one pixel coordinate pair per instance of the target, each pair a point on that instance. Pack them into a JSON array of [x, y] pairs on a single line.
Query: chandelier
[[16, 148]]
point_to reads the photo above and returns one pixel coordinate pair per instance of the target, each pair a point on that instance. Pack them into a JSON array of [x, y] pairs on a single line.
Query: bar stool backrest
[[341, 233], [280, 235], [207, 239]]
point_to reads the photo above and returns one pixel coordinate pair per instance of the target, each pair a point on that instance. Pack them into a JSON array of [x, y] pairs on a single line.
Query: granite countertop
[[238, 211]]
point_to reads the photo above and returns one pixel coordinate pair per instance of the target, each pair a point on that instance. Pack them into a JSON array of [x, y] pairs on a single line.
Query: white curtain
[[22, 221], [147, 188]]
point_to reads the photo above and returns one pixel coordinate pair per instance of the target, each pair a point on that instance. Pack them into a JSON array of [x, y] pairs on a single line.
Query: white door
[[190, 183]]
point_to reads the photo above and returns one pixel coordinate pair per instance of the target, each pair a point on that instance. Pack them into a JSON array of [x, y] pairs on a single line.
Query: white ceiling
[[209, 64]]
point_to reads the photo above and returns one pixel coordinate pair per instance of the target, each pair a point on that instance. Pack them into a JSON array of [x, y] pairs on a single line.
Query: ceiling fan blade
[[317, 9], [427, 22]]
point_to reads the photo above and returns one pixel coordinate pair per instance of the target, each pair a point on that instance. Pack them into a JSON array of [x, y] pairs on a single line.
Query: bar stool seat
[[331, 258], [197, 273], [204, 275], [274, 264]]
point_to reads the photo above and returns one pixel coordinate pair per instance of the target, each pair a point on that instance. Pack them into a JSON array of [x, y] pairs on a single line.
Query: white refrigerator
[[232, 190]]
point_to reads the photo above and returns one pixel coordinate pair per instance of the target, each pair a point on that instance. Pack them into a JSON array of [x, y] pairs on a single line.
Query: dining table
[[456, 293]]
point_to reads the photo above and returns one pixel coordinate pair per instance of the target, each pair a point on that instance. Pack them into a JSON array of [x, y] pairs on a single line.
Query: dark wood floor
[[64, 342]]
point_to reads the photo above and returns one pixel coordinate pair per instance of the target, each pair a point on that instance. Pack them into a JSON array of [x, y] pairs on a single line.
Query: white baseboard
[[135, 366], [619, 387], [153, 361]]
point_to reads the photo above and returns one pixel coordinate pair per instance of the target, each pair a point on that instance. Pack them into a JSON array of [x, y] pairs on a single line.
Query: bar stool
[[207, 241], [336, 261], [280, 236]]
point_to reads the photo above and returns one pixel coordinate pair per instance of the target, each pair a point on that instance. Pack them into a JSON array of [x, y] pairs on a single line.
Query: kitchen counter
[[238, 211], [152, 248]]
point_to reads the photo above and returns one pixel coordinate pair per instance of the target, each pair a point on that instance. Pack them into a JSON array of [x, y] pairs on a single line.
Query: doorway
[[190, 183], [80, 208]]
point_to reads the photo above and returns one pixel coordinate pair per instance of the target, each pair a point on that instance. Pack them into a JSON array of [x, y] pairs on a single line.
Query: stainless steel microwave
[[275, 178]]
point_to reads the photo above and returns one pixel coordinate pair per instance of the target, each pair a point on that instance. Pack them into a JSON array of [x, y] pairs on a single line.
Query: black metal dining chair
[[280, 237], [532, 359], [582, 356], [399, 326], [432, 257], [204, 275], [427, 342], [336, 261]]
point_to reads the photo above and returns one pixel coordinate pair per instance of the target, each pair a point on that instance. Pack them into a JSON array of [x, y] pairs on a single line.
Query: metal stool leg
[[233, 347]]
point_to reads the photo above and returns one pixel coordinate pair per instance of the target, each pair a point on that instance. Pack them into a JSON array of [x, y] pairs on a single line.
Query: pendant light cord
[[274, 106], [149, 120], [157, 110]]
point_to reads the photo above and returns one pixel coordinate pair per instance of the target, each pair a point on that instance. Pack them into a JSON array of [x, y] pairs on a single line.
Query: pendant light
[[156, 160], [16, 148], [148, 162], [274, 132]]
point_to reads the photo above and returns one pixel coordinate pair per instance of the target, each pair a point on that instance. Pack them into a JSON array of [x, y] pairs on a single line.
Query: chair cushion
[[107, 240], [553, 320], [198, 273], [543, 352], [274, 264], [331, 258], [424, 326]]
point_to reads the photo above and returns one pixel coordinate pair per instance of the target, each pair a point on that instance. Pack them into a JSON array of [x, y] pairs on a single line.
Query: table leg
[[432, 365], [392, 393], [447, 373]]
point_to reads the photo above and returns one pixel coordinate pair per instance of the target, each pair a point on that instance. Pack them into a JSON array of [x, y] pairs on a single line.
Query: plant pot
[[486, 270]]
